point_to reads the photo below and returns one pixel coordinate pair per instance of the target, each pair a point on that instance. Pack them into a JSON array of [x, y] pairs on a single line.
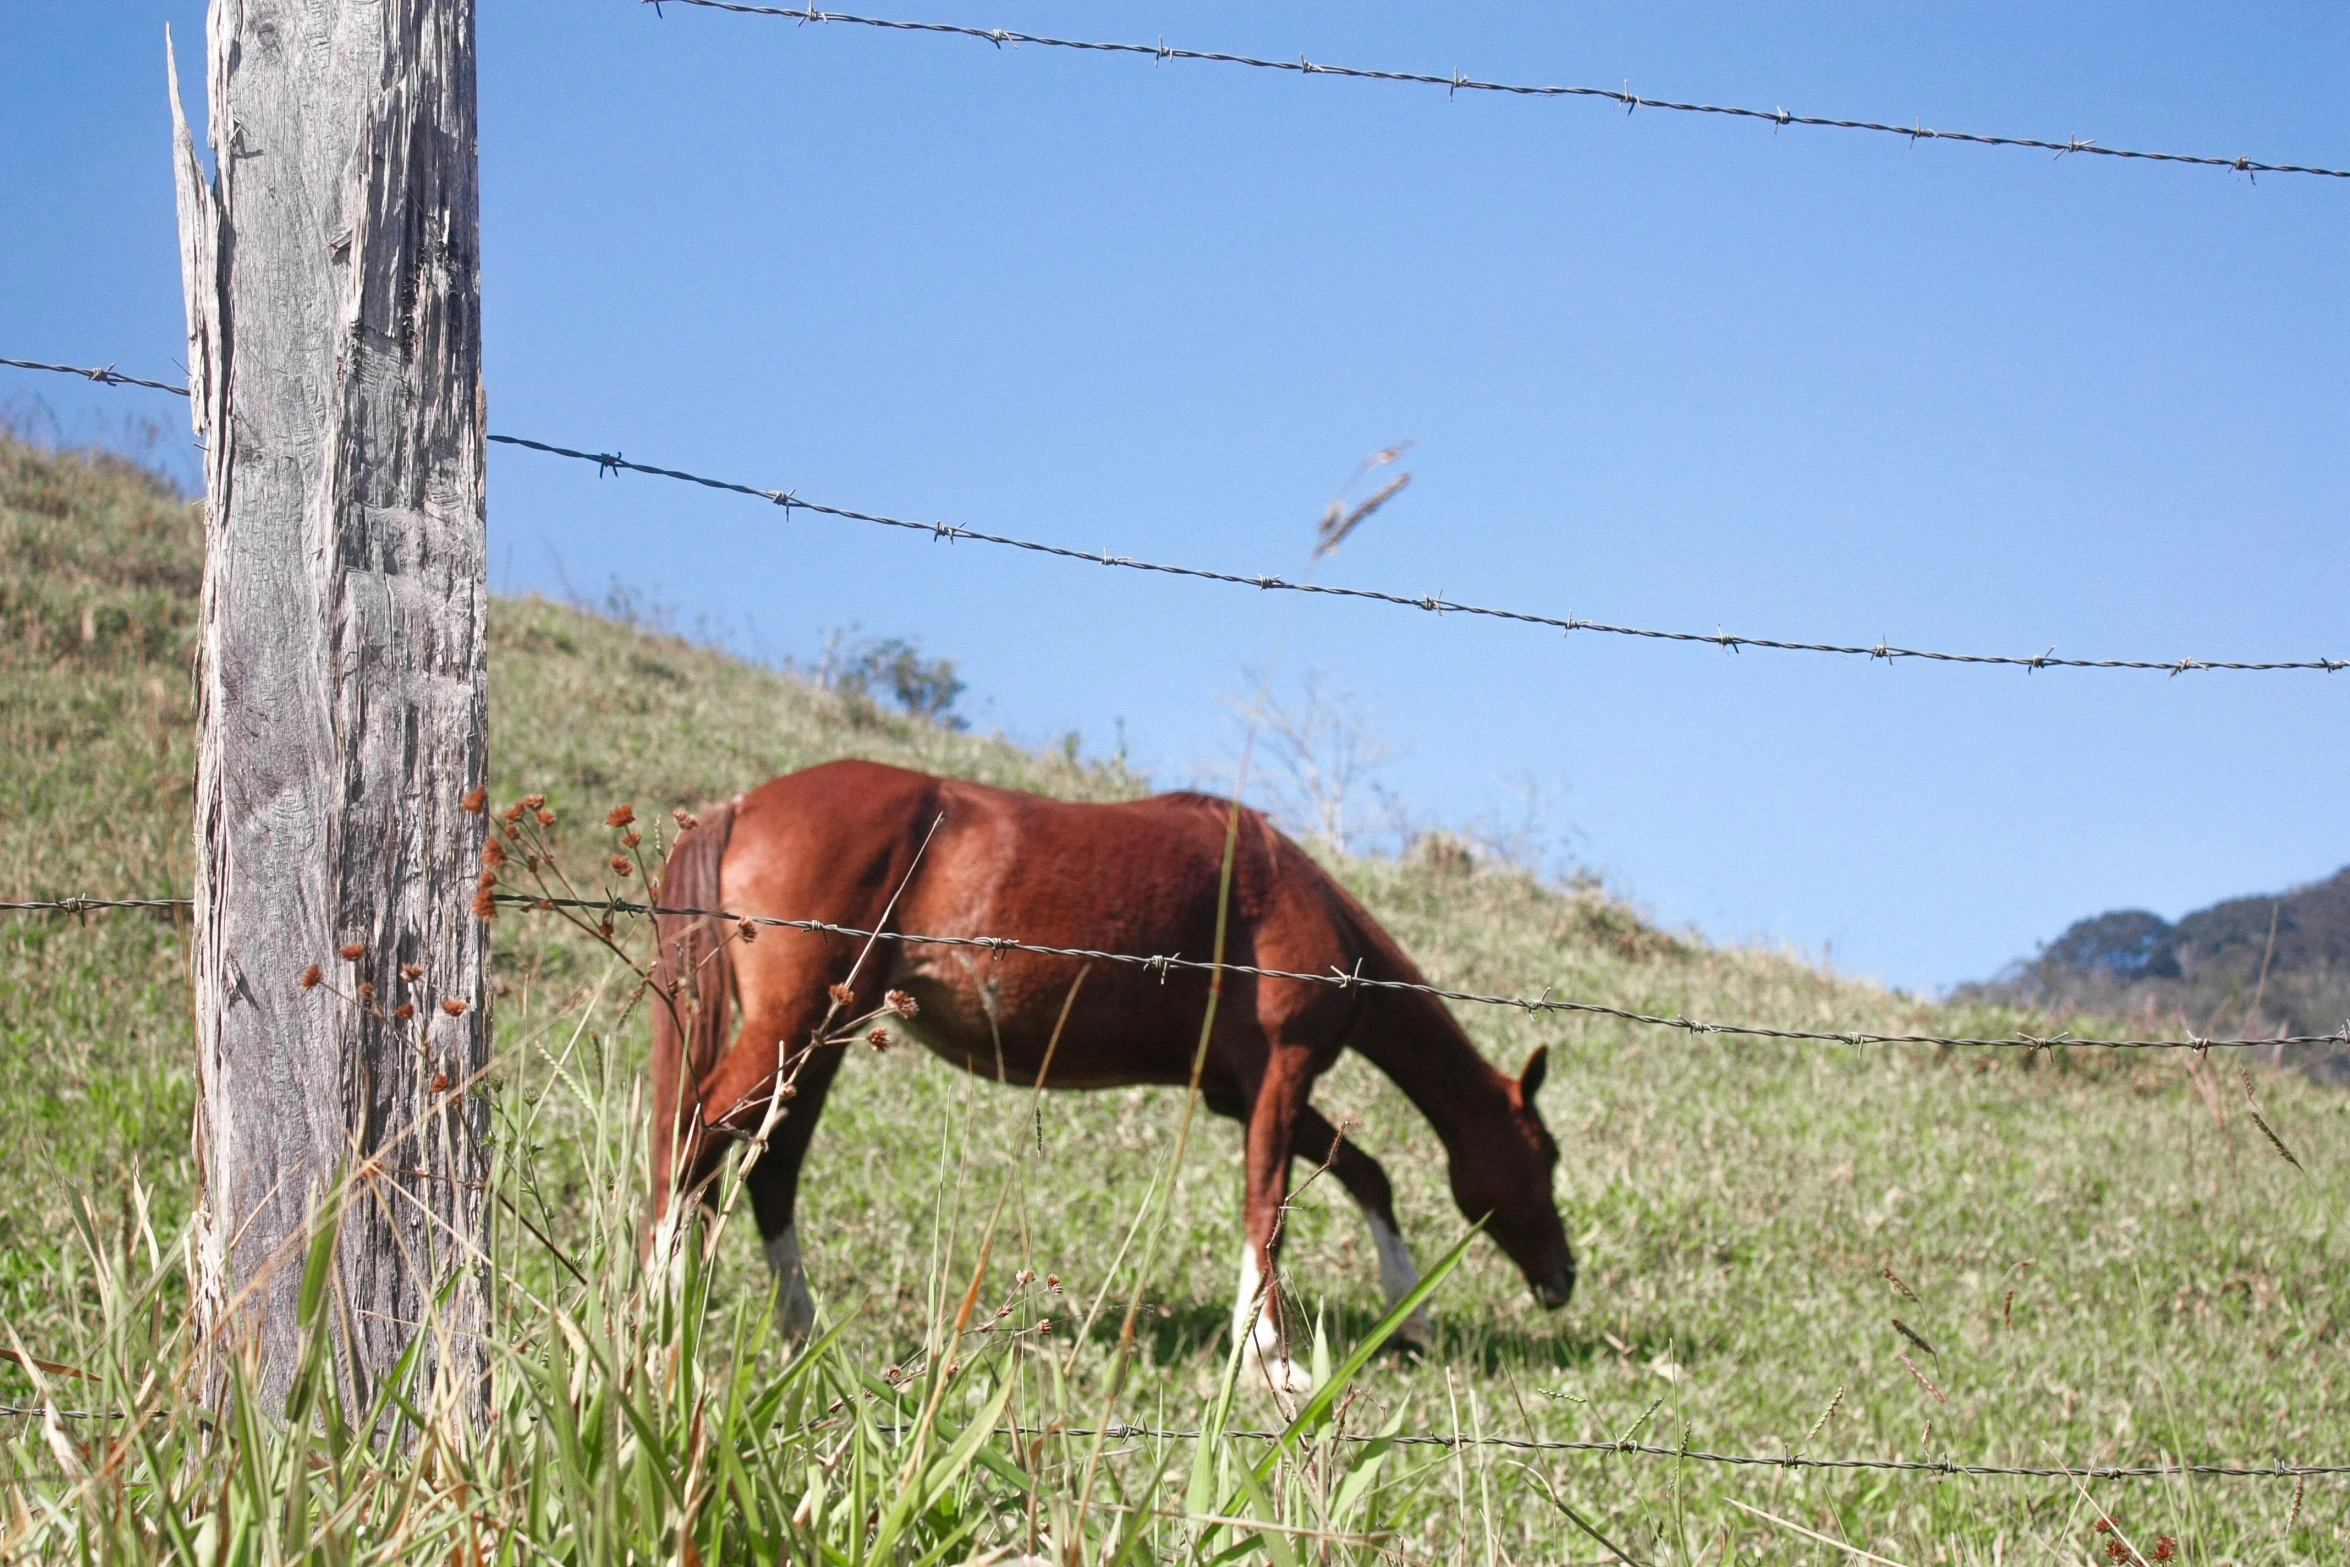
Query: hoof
[[1283, 1376]]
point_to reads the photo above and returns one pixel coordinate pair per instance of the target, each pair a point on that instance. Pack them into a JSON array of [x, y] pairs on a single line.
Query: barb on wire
[[104, 375], [1162, 962], [1437, 603], [91, 905], [1455, 83], [612, 462]]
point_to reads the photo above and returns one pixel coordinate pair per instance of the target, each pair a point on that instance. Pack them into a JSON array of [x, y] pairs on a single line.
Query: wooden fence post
[[332, 273]]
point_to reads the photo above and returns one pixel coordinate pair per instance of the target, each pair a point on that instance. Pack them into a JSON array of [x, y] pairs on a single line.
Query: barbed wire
[[1937, 1466], [104, 375], [1457, 83], [613, 462], [1434, 603], [1168, 963], [1931, 1466]]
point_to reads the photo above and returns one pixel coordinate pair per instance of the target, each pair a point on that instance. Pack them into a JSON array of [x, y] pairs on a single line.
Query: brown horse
[[837, 842]]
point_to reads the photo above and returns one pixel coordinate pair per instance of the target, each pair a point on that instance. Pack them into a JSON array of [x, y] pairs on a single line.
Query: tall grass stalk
[[631, 1416]]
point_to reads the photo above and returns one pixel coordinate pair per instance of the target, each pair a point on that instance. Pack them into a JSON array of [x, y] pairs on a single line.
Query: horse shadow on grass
[[1172, 1332]]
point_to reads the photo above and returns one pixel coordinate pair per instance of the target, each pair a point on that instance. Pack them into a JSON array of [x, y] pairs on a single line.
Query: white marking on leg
[[1398, 1278], [1254, 1325], [795, 1308]]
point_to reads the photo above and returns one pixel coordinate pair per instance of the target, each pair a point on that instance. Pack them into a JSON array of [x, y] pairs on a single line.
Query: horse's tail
[[693, 988]]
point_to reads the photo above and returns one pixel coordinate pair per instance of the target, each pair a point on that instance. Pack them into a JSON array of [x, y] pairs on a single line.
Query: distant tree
[[893, 667]]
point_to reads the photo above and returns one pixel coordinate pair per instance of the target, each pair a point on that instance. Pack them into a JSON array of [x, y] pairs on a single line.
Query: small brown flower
[[353, 952], [686, 820], [453, 1007], [546, 818], [1024, 1276], [1052, 1283], [2165, 1548], [2116, 1551], [486, 880], [404, 1011], [891, 1374], [622, 815], [412, 972], [629, 840], [533, 802], [621, 866], [1004, 1310], [366, 989], [512, 813], [310, 977], [748, 930], [954, 1366], [440, 1082], [493, 854], [476, 798], [878, 1039], [2104, 1525], [900, 1003], [840, 993], [604, 927], [485, 905], [513, 831], [1044, 1325]]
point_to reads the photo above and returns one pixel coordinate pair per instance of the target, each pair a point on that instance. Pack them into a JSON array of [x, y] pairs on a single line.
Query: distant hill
[[2274, 964]]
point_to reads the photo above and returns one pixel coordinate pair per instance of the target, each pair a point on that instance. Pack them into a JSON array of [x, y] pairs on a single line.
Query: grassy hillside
[[2250, 967], [2110, 1262]]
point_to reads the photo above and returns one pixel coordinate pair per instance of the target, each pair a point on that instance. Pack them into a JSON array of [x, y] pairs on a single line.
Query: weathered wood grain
[[332, 274]]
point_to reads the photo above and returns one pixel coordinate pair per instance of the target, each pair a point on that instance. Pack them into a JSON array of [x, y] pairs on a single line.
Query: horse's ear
[[1530, 1080]]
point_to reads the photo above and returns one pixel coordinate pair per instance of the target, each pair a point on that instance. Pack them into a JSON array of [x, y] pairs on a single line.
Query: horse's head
[[1503, 1176]]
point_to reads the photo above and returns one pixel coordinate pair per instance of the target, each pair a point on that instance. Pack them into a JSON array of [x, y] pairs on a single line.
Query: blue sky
[[1657, 369]]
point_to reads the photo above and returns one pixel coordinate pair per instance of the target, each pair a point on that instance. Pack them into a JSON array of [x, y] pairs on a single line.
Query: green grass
[[1735, 1205]]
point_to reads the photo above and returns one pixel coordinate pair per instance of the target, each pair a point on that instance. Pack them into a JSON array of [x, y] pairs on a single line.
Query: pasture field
[[2096, 1258]]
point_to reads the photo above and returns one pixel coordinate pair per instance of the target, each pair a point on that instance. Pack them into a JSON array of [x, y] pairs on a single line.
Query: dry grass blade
[[1923, 1380], [1810, 1534], [1915, 1337], [2267, 1131], [1335, 528], [1578, 1520]]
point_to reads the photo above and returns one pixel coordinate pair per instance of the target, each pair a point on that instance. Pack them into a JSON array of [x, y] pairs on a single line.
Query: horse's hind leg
[[1366, 1183], [776, 1040], [774, 1184]]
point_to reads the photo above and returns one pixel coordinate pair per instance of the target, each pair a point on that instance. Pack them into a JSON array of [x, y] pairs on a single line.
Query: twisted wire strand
[[613, 462], [1168, 963], [1433, 603], [1930, 1466], [104, 375], [1935, 1466], [1457, 83]]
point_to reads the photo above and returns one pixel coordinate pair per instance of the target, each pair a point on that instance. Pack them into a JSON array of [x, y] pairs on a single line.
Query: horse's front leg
[[1257, 1316], [772, 1048], [1320, 1143]]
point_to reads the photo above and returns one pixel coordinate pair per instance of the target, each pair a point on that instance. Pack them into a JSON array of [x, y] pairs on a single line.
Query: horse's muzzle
[[1557, 1290]]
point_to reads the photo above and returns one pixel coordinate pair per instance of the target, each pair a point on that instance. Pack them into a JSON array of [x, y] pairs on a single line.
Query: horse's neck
[[1424, 1053]]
